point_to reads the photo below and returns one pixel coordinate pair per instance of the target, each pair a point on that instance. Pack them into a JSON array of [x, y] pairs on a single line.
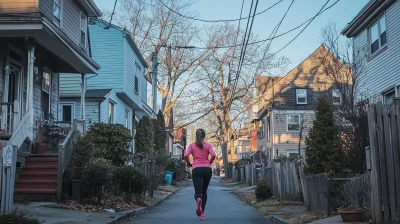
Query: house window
[[136, 85], [268, 128], [262, 129], [388, 97], [57, 11], [111, 108], [127, 117], [377, 35], [292, 154], [336, 99], [301, 96], [293, 122], [83, 30], [66, 112], [46, 96]]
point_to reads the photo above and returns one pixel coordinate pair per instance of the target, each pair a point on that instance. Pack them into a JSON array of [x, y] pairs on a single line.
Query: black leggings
[[201, 179]]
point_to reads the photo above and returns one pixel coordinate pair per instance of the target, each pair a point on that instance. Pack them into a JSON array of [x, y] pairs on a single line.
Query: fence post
[[328, 200]]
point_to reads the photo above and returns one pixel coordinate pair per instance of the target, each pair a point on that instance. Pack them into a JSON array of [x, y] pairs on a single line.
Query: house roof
[[91, 94], [97, 93], [128, 36], [320, 50], [366, 16], [265, 82]]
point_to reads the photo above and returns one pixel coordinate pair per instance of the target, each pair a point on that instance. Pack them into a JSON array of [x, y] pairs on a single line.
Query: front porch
[[31, 59]]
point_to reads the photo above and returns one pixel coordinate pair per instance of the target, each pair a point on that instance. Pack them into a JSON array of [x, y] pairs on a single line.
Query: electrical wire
[[264, 40], [112, 14], [221, 20], [291, 41], [242, 56]]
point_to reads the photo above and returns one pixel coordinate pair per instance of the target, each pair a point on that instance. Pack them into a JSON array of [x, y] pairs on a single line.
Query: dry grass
[[270, 207]]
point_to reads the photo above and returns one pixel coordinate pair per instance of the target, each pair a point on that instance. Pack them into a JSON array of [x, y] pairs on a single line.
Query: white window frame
[[47, 71], [127, 119], [377, 22], [287, 123], [84, 30], [291, 151], [336, 94], [60, 22], [297, 97], [388, 92], [112, 103], [60, 111]]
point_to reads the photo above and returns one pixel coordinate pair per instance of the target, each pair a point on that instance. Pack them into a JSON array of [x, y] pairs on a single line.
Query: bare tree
[[155, 28], [228, 92], [345, 68]]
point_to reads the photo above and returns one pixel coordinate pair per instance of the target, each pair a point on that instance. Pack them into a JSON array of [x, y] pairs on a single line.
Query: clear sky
[[342, 13]]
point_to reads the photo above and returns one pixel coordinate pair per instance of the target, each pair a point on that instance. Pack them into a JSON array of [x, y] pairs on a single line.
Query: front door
[[12, 99]]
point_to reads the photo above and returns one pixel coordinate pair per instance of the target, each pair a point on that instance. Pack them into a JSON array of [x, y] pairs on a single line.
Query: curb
[[139, 211], [279, 220]]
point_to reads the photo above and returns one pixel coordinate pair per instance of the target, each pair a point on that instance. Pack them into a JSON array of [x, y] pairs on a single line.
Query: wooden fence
[[285, 181], [384, 132]]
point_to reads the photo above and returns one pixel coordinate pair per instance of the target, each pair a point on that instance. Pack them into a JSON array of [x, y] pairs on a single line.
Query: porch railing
[[23, 130], [65, 152], [9, 118], [65, 127]]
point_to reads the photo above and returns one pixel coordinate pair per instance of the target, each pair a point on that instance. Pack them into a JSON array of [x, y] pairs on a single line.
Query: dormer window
[[301, 96], [377, 35], [57, 11], [83, 30]]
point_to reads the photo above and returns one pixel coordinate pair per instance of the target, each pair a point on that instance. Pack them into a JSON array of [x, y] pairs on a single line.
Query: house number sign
[[7, 156]]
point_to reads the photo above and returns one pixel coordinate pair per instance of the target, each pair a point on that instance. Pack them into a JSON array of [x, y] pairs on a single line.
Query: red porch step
[[38, 176], [36, 184], [35, 191]]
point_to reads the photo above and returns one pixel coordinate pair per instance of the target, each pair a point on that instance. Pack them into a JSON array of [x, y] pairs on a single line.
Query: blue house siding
[[107, 51], [381, 71], [119, 110], [70, 84], [91, 109]]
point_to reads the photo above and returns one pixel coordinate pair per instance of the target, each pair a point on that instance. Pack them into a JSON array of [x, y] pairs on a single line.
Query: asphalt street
[[222, 207]]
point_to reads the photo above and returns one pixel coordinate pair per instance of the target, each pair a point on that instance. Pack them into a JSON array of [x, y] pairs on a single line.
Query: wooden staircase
[[38, 179]]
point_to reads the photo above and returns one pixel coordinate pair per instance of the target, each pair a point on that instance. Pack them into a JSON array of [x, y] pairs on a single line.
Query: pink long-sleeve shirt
[[200, 155]]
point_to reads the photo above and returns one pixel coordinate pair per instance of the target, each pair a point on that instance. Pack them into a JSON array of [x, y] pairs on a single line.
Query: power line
[[217, 21], [303, 28], [264, 40], [109, 25], [242, 56]]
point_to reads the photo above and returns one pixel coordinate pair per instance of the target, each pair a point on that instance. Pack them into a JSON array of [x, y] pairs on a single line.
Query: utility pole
[[155, 67]]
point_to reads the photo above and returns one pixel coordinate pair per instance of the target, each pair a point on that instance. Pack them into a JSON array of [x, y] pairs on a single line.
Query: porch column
[[31, 62], [83, 86], [30, 44]]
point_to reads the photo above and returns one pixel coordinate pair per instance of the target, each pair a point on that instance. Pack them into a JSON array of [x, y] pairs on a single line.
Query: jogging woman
[[201, 170]]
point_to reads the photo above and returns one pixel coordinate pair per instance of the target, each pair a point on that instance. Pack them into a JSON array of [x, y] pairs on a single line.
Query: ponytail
[[200, 135]]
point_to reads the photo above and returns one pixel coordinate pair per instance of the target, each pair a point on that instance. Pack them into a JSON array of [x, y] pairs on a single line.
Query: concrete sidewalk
[[51, 213], [63, 216]]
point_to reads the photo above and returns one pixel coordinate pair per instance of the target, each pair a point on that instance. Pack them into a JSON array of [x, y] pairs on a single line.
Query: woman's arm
[[212, 153], [187, 154]]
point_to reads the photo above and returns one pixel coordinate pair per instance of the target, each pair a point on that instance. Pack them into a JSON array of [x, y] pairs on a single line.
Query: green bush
[[109, 141], [81, 155], [262, 189], [131, 181], [97, 174], [17, 218], [144, 138], [159, 134], [324, 146]]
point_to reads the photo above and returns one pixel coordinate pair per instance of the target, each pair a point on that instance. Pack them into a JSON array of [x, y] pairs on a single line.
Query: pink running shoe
[[202, 217], [199, 210]]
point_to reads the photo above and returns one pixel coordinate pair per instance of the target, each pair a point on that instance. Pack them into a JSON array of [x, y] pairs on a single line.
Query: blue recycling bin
[[168, 177]]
